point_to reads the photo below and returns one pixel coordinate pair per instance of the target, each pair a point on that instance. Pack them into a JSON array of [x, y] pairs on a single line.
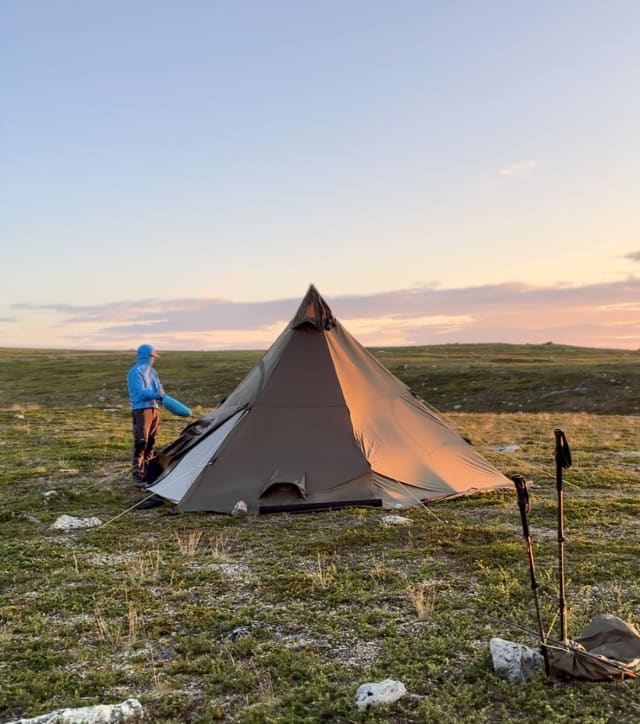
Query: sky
[[179, 172]]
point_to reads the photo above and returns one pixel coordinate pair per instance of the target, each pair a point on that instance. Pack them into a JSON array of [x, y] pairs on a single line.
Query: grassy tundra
[[280, 618]]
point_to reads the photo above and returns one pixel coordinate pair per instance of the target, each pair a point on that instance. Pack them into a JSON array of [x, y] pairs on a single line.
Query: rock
[[11, 514], [129, 710], [68, 522], [507, 448], [29, 518], [232, 570], [240, 508], [514, 661], [238, 631], [396, 520], [384, 692]]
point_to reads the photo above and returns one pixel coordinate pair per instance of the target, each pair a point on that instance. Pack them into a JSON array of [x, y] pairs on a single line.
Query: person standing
[[146, 393]]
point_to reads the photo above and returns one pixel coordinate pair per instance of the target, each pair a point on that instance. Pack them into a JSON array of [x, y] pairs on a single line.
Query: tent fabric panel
[[402, 438], [242, 397], [435, 459], [174, 484], [252, 385], [396, 494], [358, 488], [304, 377], [364, 379], [192, 434], [280, 445]]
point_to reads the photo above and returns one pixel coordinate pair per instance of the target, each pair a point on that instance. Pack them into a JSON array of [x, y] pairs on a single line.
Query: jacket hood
[[145, 351]]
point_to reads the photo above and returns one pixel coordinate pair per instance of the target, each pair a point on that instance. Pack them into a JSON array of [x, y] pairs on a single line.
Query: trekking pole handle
[[563, 453], [521, 489], [523, 501]]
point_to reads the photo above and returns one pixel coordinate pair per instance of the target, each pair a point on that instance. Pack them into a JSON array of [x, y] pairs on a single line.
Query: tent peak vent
[[315, 311]]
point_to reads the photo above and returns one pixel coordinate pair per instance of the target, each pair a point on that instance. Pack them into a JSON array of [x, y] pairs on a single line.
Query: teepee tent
[[319, 422]]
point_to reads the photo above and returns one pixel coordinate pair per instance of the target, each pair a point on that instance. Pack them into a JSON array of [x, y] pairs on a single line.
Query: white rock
[[396, 520], [383, 692], [68, 522], [232, 570], [240, 508], [28, 518], [514, 661], [128, 710]]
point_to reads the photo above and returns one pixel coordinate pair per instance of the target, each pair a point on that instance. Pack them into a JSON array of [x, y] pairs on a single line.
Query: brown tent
[[319, 422]]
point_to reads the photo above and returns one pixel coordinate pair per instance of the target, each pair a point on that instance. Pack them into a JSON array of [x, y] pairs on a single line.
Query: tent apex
[[313, 310]]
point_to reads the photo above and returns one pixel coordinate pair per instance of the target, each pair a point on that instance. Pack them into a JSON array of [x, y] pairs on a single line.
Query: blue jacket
[[145, 388]]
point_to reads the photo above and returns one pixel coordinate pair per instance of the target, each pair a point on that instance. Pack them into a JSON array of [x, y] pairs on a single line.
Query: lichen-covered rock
[[383, 692], [514, 661], [240, 508], [396, 520], [68, 522], [129, 710]]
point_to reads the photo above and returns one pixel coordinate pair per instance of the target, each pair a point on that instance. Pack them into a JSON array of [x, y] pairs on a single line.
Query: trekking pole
[[523, 504], [563, 460]]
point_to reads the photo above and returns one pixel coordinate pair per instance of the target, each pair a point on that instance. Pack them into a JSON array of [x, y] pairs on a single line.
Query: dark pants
[[145, 429]]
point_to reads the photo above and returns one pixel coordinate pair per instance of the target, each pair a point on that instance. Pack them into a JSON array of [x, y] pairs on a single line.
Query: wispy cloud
[[597, 315], [519, 169], [633, 256]]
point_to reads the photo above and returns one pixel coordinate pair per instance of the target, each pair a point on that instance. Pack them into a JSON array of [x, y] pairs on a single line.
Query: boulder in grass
[[514, 661], [396, 520], [129, 710], [68, 522], [383, 692]]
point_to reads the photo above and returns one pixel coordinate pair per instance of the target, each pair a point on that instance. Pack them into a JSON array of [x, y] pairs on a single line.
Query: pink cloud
[[597, 315]]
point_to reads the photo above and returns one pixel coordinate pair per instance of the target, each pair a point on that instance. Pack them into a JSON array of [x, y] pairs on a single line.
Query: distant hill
[[465, 377]]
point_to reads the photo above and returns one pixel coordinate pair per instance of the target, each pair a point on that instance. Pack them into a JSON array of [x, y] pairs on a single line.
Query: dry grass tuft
[[189, 541], [423, 598]]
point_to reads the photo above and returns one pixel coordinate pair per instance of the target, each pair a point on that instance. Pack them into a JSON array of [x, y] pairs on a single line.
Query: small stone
[[68, 522], [396, 520], [383, 692]]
